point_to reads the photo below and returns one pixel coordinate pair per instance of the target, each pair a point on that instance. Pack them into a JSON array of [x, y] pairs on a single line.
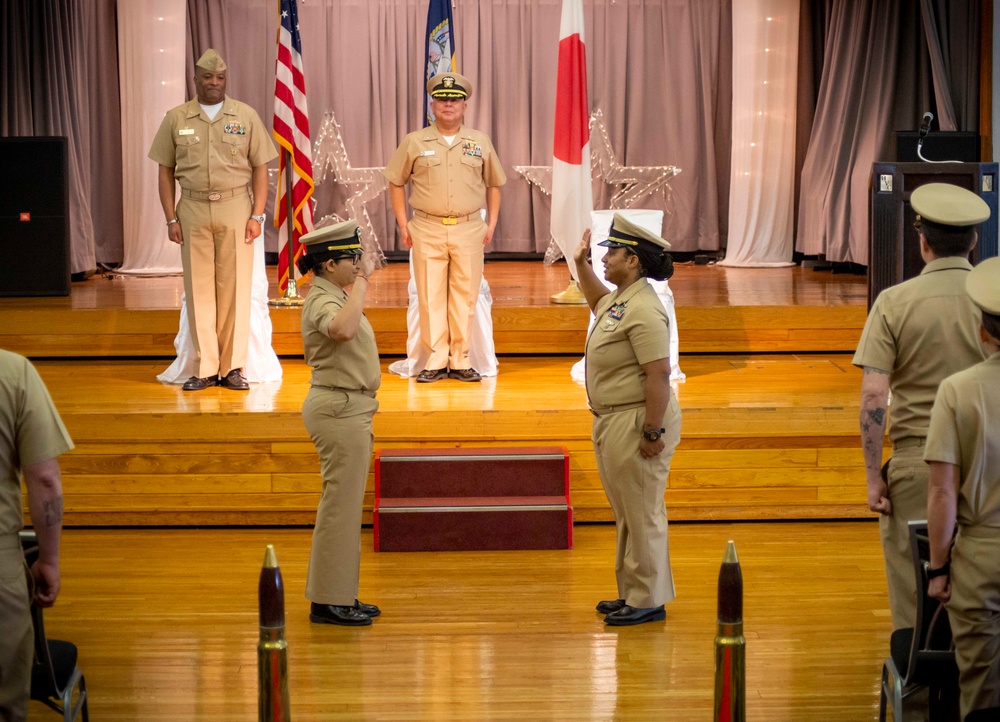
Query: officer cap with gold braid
[[211, 61], [625, 234], [449, 85], [341, 240]]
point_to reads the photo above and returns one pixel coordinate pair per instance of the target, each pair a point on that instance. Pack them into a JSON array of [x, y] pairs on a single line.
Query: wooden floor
[[719, 310], [166, 624], [763, 437]]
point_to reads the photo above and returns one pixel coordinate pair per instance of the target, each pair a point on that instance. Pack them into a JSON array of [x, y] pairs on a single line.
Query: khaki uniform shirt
[[965, 431], [446, 180], [351, 365], [30, 432], [631, 329], [920, 332], [212, 154]]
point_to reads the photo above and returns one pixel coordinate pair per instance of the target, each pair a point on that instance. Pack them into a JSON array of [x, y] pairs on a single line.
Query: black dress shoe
[[465, 375], [635, 615], [196, 384], [428, 376], [609, 606], [370, 609], [235, 380], [332, 614]]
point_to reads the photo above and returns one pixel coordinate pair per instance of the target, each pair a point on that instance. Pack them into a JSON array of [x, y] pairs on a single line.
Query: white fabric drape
[[762, 180], [652, 221], [262, 362], [151, 64]]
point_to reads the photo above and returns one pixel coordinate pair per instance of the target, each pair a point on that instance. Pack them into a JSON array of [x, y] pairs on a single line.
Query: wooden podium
[[893, 243]]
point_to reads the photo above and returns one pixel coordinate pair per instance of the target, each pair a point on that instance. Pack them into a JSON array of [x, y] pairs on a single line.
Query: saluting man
[[453, 172], [217, 149]]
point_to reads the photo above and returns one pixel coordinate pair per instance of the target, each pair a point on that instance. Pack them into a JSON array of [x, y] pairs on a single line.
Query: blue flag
[[440, 45]]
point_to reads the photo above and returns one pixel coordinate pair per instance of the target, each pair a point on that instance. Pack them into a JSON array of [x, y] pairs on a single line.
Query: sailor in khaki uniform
[[963, 451], [453, 172], [340, 346], [32, 436], [918, 333], [217, 149], [637, 421]]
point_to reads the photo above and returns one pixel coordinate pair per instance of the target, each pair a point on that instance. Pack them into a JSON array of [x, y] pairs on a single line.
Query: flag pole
[[291, 296]]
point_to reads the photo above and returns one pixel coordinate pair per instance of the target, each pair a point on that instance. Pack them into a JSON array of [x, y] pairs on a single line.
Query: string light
[[636, 182]]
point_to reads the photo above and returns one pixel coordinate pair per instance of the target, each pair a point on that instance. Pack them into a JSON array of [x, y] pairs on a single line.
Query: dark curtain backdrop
[[659, 69], [59, 76], [882, 64]]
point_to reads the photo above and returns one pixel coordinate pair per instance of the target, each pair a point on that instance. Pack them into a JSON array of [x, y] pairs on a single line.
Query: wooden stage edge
[[719, 310], [763, 437]]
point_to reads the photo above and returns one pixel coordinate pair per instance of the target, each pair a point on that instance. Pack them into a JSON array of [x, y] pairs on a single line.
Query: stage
[[770, 402]]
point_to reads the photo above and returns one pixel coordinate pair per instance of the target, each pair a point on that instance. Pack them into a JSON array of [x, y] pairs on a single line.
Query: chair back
[[932, 653]]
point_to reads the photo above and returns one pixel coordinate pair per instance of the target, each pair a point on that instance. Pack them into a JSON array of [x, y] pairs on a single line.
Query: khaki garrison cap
[[949, 205], [449, 85], [336, 241], [626, 234], [211, 60], [983, 285]]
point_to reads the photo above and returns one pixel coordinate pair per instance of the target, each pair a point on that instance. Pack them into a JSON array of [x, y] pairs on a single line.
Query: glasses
[[355, 260]]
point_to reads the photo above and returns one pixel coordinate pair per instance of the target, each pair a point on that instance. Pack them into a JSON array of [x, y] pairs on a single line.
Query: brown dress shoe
[[428, 376], [465, 375], [235, 380], [196, 384]]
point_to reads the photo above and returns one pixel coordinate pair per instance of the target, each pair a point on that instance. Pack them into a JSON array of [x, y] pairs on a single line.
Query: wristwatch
[[260, 219], [941, 571], [653, 434], [172, 221]]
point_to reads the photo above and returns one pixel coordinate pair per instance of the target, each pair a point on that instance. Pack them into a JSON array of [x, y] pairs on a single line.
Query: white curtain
[[762, 187], [151, 64]]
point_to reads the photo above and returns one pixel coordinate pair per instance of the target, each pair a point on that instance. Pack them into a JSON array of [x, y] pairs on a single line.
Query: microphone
[[925, 124]]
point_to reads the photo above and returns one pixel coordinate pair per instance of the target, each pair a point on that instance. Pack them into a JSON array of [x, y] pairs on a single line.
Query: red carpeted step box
[[462, 499]]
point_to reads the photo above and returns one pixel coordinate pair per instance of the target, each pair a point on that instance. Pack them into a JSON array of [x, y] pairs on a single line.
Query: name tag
[[185, 131], [427, 152]]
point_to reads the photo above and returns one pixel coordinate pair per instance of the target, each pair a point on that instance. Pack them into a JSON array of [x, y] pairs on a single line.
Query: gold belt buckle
[[450, 221], [215, 196]]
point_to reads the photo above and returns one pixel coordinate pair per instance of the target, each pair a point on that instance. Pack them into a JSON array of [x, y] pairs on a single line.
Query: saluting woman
[[338, 410], [637, 421]]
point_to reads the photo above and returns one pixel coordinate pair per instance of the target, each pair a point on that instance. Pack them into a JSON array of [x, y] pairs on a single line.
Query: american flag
[[291, 131]]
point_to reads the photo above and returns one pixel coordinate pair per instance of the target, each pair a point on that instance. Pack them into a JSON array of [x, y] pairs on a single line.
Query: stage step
[[464, 499]]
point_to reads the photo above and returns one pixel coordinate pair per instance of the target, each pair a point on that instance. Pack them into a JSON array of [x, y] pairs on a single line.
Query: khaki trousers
[[218, 270], [340, 424], [17, 647], [634, 487], [447, 270], [974, 612], [908, 478]]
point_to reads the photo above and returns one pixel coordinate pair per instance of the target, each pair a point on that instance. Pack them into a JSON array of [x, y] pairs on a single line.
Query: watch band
[[939, 572], [172, 221], [260, 219]]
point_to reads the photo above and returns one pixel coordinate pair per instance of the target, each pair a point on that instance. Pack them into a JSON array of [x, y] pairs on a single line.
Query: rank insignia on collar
[[617, 312], [235, 129]]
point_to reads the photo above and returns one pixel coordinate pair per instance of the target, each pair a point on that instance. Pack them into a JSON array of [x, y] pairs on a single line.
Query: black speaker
[[957, 145], [34, 217]]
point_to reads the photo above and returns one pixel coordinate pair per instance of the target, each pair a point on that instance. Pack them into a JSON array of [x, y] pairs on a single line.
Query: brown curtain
[[877, 76], [59, 76], [659, 69]]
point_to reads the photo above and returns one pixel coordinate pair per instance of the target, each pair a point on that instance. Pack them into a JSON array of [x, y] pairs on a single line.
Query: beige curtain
[[762, 181], [151, 41]]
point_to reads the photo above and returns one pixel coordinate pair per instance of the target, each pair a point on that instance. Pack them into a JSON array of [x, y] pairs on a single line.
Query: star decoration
[[364, 184], [636, 181]]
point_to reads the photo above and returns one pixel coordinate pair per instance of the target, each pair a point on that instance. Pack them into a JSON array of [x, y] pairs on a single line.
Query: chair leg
[[883, 695]]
